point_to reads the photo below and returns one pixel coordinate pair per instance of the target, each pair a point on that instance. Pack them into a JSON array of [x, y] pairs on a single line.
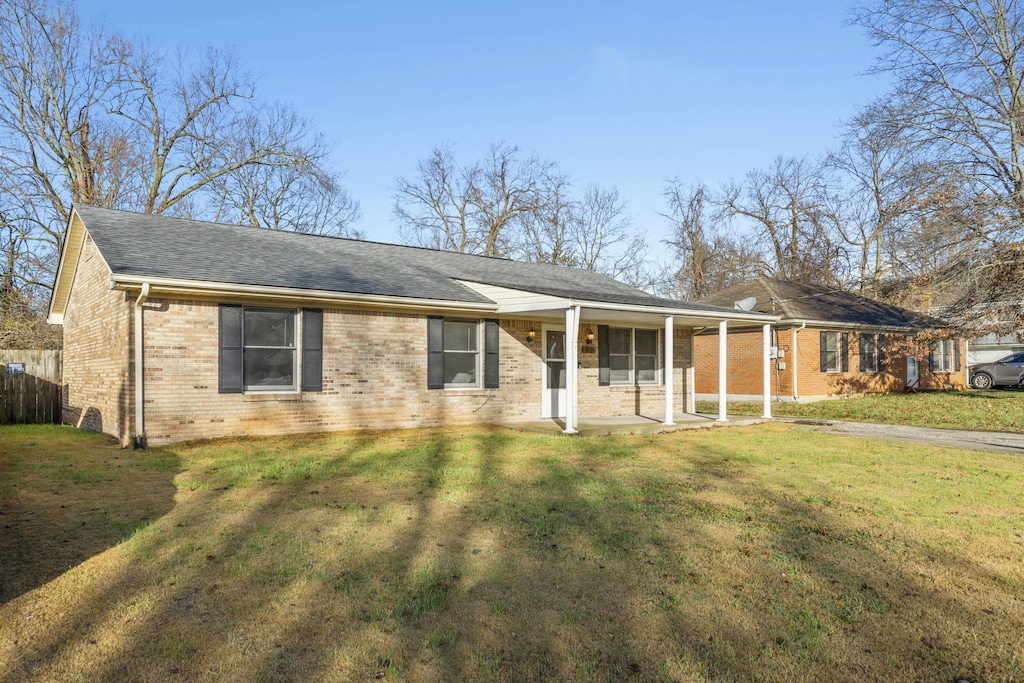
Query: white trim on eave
[[895, 329], [517, 301], [185, 288]]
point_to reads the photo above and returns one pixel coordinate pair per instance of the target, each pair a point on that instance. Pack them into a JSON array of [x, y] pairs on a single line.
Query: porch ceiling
[[595, 315]]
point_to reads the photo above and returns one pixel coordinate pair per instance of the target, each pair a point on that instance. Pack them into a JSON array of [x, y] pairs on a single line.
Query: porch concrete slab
[[630, 424]]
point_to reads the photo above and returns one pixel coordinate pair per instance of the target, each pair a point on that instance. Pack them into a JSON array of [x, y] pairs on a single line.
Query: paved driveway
[[1003, 442]]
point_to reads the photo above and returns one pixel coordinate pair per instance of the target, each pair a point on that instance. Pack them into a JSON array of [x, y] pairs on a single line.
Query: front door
[[911, 371], [553, 356]]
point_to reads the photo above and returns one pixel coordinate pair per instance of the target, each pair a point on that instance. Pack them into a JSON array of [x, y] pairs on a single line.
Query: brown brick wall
[[97, 373], [744, 367]]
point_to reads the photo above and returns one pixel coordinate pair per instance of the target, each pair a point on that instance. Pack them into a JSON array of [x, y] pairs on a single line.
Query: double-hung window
[[646, 354], [868, 353], [942, 356], [620, 355], [268, 349], [461, 354], [830, 352], [260, 350], [632, 355]]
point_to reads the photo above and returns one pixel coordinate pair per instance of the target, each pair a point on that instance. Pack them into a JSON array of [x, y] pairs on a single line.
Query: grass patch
[[759, 553], [1000, 411]]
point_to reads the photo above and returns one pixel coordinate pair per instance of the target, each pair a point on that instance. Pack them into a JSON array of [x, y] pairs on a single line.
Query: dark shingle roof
[[798, 301], [144, 245]]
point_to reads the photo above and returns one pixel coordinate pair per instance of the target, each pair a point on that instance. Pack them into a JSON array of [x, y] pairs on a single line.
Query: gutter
[[185, 288], [140, 432]]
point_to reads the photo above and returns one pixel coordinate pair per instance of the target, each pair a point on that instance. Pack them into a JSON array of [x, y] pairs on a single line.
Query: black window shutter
[[863, 358], [881, 353], [956, 354], [491, 354], [824, 352], [846, 351], [435, 352], [312, 349], [931, 361], [604, 370], [230, 365]]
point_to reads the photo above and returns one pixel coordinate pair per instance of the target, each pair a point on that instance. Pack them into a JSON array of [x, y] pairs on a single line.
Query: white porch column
[[669, 371], [723, 334], [691, 378], [571, 369], [766, 331]]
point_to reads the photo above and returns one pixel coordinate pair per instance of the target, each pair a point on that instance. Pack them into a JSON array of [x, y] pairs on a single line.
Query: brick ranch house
[[248, 331], [829, 343]]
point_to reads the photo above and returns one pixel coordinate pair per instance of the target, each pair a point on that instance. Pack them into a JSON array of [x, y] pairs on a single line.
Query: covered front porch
[[625, 365]]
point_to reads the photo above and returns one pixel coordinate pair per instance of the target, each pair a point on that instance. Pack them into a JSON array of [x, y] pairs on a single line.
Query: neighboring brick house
[[829, 343], [247, 331]]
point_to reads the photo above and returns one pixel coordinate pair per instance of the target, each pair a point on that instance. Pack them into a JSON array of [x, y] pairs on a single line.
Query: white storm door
[[911, 371], [553, 357]]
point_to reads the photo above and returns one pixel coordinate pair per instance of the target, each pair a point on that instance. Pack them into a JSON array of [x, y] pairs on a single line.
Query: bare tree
[[959, 72], [787, 206], [474, 209], [547, 234], [882, 178], [708, 259], [97, 119]]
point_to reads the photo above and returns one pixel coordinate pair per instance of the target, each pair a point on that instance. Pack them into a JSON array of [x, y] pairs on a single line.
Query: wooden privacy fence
[[32, 396]]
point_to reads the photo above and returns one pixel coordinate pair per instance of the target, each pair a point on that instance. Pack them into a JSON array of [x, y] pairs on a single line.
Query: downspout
[[796, 364], [140, 432]]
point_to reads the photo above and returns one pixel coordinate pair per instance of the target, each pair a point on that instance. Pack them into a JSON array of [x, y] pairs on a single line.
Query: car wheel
[[982, 381]]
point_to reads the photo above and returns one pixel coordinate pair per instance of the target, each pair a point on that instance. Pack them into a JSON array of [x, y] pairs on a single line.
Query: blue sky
[[619, 94]]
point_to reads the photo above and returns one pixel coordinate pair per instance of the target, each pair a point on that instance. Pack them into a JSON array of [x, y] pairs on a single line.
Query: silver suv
[[1005, 372]]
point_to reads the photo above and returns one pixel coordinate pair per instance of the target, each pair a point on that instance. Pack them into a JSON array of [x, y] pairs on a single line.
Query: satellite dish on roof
[[745, 304]]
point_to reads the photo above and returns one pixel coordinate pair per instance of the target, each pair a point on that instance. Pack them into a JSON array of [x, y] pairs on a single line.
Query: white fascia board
[[551, 304], [684, 312], [895, 329], [172, 286]]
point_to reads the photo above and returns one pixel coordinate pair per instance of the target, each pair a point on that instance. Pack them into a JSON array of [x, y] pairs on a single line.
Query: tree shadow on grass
[[66, 496], [481, 555]]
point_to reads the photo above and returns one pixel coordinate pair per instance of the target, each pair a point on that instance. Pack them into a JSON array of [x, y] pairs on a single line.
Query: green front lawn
[[762, 553], [1001, 411]]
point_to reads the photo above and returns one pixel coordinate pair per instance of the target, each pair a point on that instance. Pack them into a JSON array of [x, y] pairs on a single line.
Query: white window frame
[[658, 362], [296, 345], [837, 366], [944, 356], [478, 355]]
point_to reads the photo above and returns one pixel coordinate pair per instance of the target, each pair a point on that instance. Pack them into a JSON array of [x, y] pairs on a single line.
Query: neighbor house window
[[942, 356], [259, 349], [461, 354], [632, 355], [830, 351], [868, 353]]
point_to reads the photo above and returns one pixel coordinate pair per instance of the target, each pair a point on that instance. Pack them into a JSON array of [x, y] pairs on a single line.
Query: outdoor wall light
[[590, 335], [531, 335]]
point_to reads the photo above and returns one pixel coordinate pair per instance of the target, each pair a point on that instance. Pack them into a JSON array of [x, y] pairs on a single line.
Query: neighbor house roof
[[799, 302], [148, 246]]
